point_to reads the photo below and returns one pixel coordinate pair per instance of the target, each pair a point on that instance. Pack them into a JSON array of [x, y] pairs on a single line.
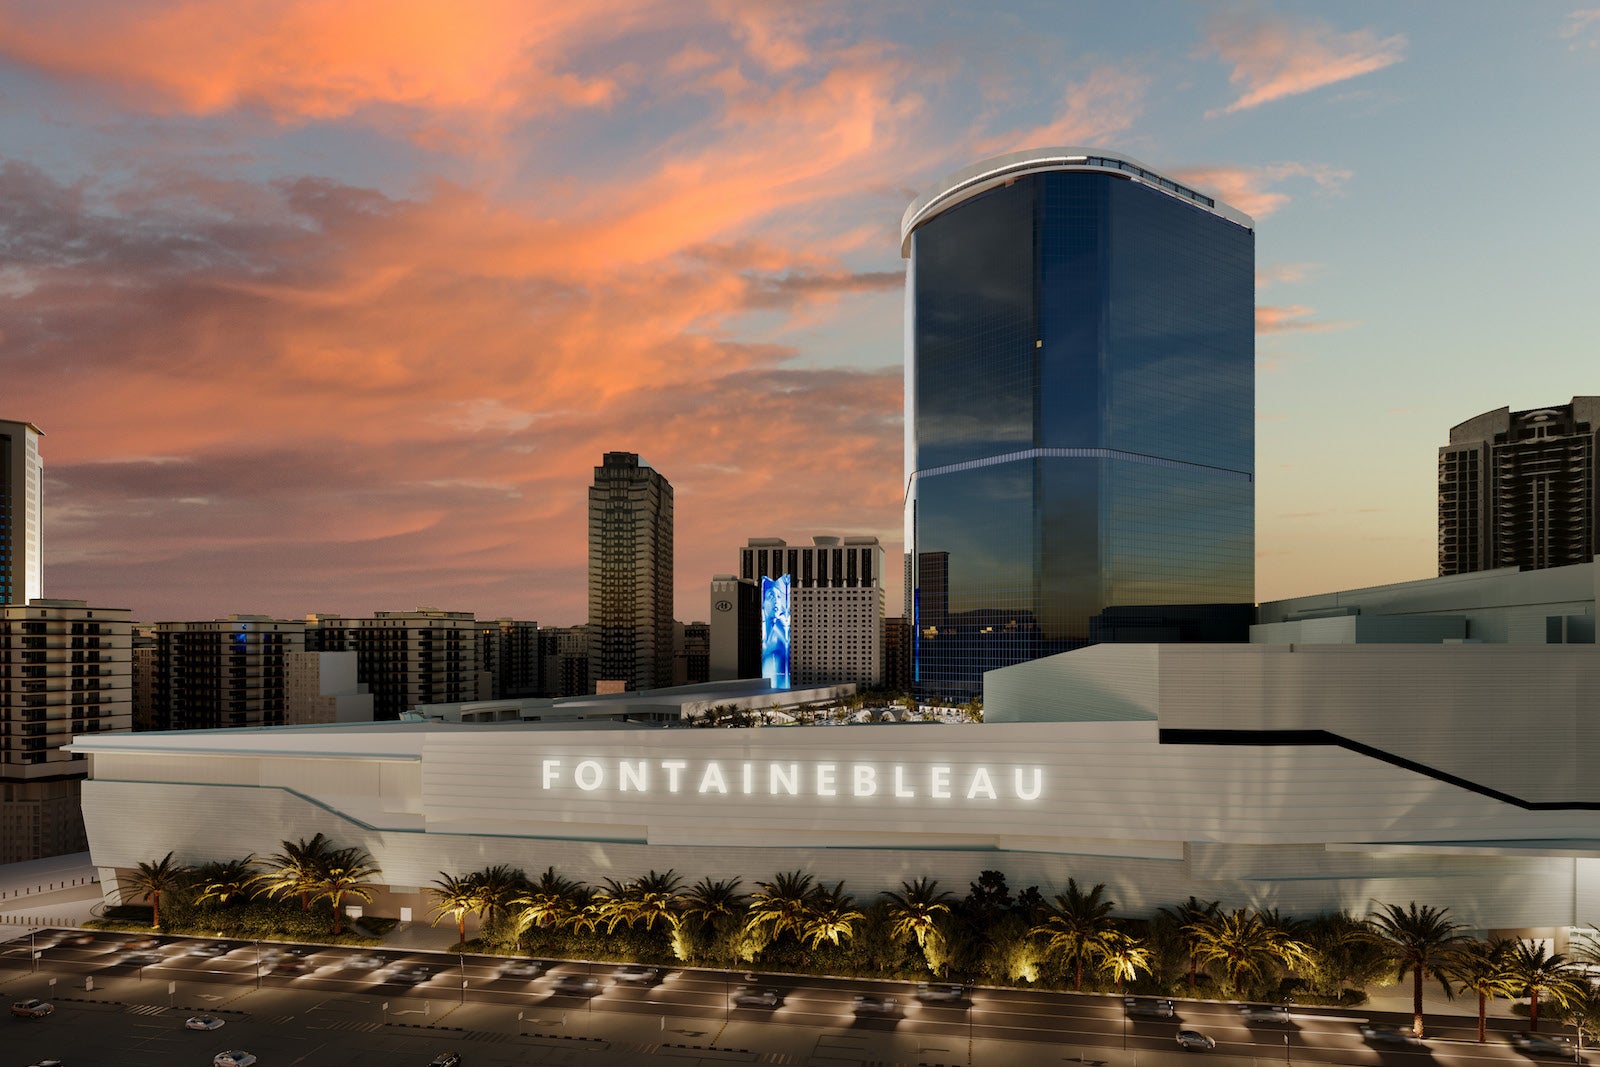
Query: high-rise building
[[21, 513], [406, 658], [630, 574], [65, 669], [896, 655], [735, 628], [836, 600], [1080, 442], [219, 673], [323, 687], [564, 661], [508, 649], [1519, 489]]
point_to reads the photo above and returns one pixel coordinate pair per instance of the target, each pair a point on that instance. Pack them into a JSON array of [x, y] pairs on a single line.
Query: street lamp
[[258, 963]]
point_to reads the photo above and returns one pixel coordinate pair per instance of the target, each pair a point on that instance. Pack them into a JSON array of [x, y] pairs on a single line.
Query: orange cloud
[[322, 59], [1105, 103], [1577, 27], [1291, 318], [1247, 188], [1274, 58]]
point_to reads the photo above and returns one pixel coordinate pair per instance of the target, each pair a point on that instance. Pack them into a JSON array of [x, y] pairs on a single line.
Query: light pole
[[462, 957], [1285, 1049], [258, 963]]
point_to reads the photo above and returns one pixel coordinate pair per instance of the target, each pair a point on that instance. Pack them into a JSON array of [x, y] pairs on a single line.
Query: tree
[[347, 872], [781, 904], [916, 911], [1418, 941], [295, 870], [550, 902], [455, 897], [1582, 1010], [1343, 954], [1122, 958], [225, 881], [1535, 972], [656, 898], [1188, 917], [831, 915], [1249, 946], [498, 886], [1076, 927], [1480, 967], [150, 880], [714, 904]]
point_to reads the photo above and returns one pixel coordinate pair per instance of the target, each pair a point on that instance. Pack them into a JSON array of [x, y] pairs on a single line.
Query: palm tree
[[1582, 1010], [347, 872], [832, 915], [1534, 971], [657, 897], [224, 881], [713, 903], [916, 910], [1123, 958], [1188, 917], [1077, 925], [613, 904], [150, 880], [1418, 940], [1481, 967], [295, 870], [1249, 946], [781, 904], [455, 897], [550, 902], [498, 886]]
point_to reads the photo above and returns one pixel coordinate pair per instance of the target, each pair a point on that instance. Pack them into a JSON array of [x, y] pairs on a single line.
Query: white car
[[522, 969], [941, 993], [236, 1057], [1263, 1013], [637, 975], [875, 1004], [202, 1022], [1195, 1041], [752, 997], [578, 984]]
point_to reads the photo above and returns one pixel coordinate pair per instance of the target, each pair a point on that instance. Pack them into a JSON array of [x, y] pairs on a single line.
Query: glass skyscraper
[[1080, 406]]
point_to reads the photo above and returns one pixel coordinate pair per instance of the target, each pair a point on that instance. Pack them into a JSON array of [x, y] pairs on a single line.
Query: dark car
[[1149, 1008], [578, 985], [875, 1004], [1195, 1041], [1264, 1013], [1389, 1035], [32, 1009], [1540, 1045], [446, 1059], [941, 993], [415, 974], [212, 949], [143, 959]]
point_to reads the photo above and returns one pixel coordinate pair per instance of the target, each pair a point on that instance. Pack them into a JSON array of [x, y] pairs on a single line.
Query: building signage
[[773, 778]]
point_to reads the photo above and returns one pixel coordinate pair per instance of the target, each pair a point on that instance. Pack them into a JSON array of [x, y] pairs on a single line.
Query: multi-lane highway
[[578, 1001]]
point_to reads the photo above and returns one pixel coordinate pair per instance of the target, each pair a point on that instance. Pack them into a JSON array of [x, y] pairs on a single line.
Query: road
[[317, 1005]]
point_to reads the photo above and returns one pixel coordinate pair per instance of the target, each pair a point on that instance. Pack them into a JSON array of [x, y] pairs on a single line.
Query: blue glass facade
[[1080, 413]]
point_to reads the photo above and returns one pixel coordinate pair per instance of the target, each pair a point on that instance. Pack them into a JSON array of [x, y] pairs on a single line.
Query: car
[[1264, 1013], [578, 984], [1389, 1035], [754, 997], [522, 969], [637, 975], [1540, 1045], [210, 950], [142, 959], [446, 1059], [48, 1063], [1149, 1008], [32, 1008], [1195, 1041], [202, 1022], [415, 974], [368, 962], [290, 965], [940, 993], [80, 939], [874, 1004], [234, 1057], [144, 944]]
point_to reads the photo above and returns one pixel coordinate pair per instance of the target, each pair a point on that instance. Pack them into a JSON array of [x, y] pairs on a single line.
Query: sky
[[334, 305]]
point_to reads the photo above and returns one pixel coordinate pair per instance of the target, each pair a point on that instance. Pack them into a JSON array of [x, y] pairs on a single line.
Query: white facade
[[1168, 771], [836, 631]]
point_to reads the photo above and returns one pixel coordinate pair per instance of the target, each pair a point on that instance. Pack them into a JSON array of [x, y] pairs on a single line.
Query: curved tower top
[[995, 171]]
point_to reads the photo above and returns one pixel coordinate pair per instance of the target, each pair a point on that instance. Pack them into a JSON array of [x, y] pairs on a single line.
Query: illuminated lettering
[[939, 783], [825, 780], [1031, 793], [589, 775], [672, 767], [749, 778], [552, 768], [712, 779], [632, 774], [901, 790], [790, 780], [866, 780], [982, 784]]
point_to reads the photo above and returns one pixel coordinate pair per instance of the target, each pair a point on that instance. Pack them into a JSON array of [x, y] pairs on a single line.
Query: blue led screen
[[775, 631]]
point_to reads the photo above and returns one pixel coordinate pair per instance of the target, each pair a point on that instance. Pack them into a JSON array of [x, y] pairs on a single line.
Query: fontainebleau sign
[[899, 781]]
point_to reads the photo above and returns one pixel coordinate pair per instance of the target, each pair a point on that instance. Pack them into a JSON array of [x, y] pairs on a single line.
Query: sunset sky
[[333, 305]]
